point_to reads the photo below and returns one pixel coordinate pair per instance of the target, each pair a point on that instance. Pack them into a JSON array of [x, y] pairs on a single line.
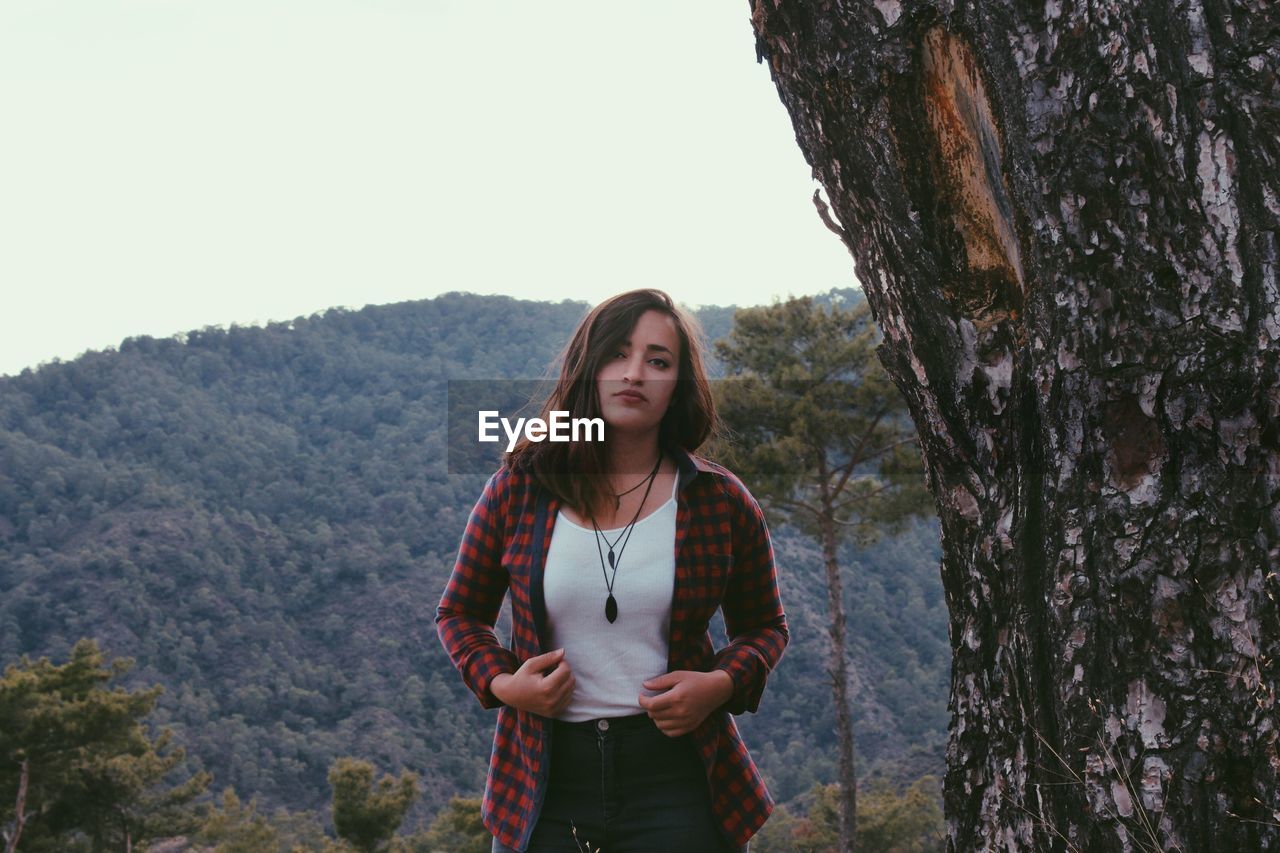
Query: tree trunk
[[840, 689], [19, 809], [1065, 219]]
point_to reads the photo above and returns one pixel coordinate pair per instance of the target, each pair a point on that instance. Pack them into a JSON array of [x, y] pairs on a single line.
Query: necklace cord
[[625, 536], [617, 495]]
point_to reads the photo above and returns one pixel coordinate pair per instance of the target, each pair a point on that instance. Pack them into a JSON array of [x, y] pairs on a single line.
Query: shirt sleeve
[[469, 607], [752, 606]]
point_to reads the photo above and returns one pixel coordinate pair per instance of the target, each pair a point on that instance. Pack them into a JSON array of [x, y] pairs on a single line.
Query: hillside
[[263, 518]]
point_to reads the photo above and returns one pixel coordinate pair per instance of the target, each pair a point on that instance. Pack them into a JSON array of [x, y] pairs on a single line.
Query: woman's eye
[[660, 362]]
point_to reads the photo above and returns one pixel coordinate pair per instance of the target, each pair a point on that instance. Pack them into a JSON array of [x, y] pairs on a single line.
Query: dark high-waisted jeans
[[627, 788]]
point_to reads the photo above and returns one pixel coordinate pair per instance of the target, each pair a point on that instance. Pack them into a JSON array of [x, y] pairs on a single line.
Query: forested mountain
[[263, 519]]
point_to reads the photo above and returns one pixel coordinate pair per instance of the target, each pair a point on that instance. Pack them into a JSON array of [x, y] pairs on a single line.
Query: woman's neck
[[630, 454]]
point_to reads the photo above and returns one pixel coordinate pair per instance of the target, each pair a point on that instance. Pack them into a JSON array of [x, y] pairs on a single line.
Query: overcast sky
[[173, 164]]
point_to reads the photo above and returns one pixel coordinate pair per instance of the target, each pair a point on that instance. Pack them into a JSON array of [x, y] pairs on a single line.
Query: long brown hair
[[575, 471]]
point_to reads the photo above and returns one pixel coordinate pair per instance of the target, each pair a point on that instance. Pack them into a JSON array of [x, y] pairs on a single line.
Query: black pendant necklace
[[611, 603]]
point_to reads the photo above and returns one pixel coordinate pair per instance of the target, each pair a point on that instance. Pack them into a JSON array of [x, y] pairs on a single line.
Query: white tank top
[[610, 661]]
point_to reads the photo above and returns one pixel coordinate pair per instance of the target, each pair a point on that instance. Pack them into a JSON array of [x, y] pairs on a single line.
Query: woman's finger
[[661, 702], [566, 695], [559, 699], [671, 721], [542, 662], [672, 729], [556, 680]]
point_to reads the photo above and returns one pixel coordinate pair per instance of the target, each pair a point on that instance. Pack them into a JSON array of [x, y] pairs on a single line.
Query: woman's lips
[[631, 395]]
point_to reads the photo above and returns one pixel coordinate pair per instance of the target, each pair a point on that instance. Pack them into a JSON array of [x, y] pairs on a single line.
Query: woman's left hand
[[689, 698]]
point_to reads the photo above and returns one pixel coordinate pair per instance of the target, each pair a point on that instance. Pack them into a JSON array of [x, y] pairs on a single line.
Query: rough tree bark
[[1065, 218]]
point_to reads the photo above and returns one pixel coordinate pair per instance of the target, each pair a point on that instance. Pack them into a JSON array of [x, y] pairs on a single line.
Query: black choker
[[611, 603]]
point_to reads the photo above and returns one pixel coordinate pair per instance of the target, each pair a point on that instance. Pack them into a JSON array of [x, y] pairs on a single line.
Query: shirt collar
[[688, 464]]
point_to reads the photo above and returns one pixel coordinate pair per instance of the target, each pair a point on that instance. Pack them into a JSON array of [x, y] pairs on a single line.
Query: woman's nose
[[635, 368]]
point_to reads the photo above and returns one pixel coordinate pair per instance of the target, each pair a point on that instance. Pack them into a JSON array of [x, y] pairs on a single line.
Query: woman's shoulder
[[715, 469], [726, 481], [506, 482]]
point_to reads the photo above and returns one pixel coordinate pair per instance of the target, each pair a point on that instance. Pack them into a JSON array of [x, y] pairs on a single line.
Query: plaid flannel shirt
[[724, 559]]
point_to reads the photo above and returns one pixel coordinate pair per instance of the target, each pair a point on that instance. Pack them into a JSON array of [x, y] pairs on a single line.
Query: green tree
[[238, 828], [457, 829], [778, 835], [888, 822], [820, 830], [363, 817], [77, 767], [824, 438], [907, 823]]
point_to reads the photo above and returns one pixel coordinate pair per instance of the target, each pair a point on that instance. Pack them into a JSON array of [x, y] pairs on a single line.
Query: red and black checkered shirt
[[724, 559]]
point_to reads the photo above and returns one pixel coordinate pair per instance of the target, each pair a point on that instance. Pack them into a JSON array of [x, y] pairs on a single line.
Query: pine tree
[[824, 439], [364, 817], [76, 761]]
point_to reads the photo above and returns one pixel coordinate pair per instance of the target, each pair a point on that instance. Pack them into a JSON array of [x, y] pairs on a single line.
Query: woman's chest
[[685, 560], [623, 577]]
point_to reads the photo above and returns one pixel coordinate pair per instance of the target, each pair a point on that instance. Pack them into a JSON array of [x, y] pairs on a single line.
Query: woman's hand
[[542, 685], [689, 698]]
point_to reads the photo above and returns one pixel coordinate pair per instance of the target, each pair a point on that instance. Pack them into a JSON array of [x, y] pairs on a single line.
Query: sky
[[168, 165]]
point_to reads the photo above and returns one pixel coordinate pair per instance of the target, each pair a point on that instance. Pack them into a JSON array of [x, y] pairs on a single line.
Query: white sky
[[167, 165]]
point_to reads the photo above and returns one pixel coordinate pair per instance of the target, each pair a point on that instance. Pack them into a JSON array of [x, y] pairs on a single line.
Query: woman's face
[[637, 380]]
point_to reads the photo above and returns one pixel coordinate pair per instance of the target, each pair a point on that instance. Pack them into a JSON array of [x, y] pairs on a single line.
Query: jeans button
[[602, 725]]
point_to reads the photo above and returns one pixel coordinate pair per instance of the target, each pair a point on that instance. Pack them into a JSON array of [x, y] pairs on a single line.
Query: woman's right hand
[[542, 685]]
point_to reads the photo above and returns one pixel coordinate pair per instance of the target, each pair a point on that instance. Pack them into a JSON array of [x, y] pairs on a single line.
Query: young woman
[[614, 726]]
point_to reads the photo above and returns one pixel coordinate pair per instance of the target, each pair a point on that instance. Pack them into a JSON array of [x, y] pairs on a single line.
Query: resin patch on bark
[[969, 179]]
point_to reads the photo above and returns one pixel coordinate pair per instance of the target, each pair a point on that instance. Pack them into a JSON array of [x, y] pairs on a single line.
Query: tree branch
[[888, 447], [855, 458], [794, 504], [824, 213], [853, 501]]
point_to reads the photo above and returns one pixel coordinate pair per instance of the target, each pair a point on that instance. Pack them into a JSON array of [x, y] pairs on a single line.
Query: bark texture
[[1065, 218]]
